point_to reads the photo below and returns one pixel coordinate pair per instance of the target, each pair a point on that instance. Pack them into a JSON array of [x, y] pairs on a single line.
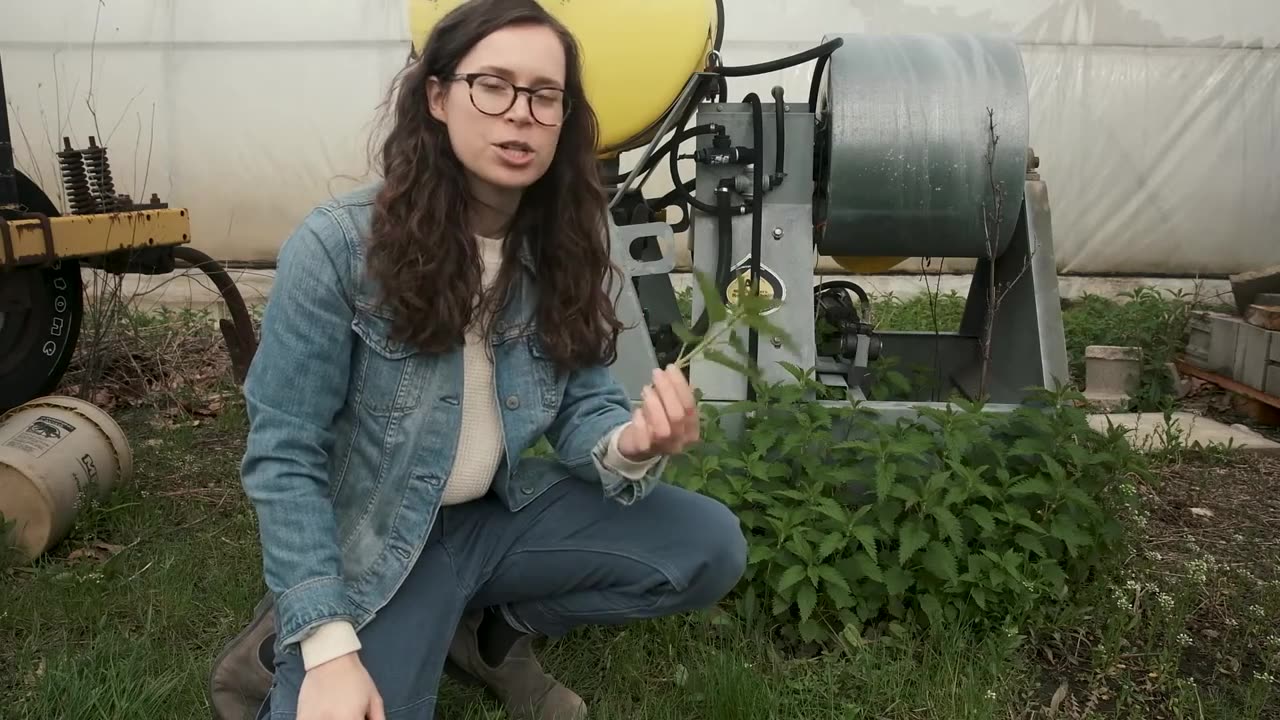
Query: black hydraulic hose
[[816, 82], [682, 190], [724, 250], [724, 236], [780, 132], [757, 222], [719, 24], [781, 63], [670, 146]]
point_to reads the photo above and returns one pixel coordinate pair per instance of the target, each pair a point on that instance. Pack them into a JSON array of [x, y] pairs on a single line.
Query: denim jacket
[[352, 434]]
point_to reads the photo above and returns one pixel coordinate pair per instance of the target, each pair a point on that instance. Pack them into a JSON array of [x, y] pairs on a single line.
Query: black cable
[[781, 63], [757, 223]]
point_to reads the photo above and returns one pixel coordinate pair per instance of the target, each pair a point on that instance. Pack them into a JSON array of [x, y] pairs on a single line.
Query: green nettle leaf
[[867, 535], [911, 538], [982, 516], [840, 597], [1032, 486], [1066, 530], [793, 575], [833, 578], [811, 631], [831, 543], [932, 608], [867, 567], [906, 493], [832, 509], [949, 524], [979, 596], [939, 561], [716, 310], [806, 600], [759, 553], [897, 580], [1032, 543]]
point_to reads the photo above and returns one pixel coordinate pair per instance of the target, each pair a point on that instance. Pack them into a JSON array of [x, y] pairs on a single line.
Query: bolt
[[776, 342], [777, 233]]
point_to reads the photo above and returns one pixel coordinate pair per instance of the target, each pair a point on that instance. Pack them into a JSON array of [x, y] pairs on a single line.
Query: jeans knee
[[717, 552]]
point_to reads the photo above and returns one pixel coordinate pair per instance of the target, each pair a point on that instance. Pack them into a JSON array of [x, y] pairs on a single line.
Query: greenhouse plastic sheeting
[[1157, 121]]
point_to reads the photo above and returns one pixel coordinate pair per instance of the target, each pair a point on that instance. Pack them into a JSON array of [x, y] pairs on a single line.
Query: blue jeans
[[570, 558]]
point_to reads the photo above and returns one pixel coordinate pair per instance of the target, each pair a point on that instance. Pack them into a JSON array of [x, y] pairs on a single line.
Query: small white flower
[[1272, 641], [991, 694], [1257, 611], [1184, 640], [1165, 600], [1264, 677], [1231, 622]]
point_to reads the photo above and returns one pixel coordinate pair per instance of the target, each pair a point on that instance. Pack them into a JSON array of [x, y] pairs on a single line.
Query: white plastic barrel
[[56, 452]]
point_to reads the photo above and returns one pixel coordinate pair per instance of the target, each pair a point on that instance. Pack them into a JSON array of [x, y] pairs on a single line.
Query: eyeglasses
[[493, 95]]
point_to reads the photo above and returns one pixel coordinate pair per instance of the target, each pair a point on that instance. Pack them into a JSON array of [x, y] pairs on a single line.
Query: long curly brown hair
[[422, 253]]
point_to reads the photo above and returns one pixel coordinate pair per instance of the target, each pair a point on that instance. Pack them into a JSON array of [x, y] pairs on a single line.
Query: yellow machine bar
[[38, 240]]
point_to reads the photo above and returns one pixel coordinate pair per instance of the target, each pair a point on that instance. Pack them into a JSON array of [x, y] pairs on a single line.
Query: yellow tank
[[637, 55]]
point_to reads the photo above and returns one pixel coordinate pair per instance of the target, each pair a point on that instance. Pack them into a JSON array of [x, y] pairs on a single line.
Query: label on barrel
[[40, 436]]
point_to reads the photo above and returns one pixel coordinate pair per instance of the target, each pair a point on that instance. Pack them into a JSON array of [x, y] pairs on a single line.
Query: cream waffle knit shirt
[[480, 448]]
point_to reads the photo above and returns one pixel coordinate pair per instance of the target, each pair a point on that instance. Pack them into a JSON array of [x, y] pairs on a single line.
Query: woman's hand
[[340, 689], [666, 421]]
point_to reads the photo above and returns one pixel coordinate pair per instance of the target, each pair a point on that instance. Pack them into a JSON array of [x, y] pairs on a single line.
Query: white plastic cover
[[1157, 121]]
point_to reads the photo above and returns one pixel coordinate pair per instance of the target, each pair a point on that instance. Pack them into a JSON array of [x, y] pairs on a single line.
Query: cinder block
[[1253, 350], [1273, 380], [1222, 344], [1275, 351]]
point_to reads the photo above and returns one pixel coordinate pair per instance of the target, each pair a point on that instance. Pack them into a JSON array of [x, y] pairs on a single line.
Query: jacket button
[[513, 402], [526, 490]]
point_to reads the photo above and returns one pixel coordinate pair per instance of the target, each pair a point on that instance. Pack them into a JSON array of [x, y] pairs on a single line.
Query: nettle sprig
[[724, 322]]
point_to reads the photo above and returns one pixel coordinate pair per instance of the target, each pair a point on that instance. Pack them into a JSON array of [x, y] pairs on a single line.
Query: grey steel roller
[[909, 137]]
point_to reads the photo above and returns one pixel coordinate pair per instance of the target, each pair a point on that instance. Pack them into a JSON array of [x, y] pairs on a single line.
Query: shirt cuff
[[329, 641], [619, 463]]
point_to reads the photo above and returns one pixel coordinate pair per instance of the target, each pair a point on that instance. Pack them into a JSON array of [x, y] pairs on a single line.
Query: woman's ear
[[435, 98]]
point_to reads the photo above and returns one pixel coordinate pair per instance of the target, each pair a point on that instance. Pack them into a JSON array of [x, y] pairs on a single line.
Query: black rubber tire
[[40, 342]]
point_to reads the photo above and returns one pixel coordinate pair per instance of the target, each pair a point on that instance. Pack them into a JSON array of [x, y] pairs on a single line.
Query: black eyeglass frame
[[471, 78]]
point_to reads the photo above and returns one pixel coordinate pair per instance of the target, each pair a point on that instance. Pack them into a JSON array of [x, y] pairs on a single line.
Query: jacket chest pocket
[[391, 373], [550, 383]]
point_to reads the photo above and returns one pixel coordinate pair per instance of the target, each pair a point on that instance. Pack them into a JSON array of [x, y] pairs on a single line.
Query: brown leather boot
[[525, 689], [243, 671]]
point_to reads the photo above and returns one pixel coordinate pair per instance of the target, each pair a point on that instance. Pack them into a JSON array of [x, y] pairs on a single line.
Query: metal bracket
[[625, 235]]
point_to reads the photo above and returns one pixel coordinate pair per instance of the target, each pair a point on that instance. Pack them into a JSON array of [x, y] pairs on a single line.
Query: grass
[[122, 619]]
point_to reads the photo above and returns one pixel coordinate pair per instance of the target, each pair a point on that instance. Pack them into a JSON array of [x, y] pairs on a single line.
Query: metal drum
[[906, 172]]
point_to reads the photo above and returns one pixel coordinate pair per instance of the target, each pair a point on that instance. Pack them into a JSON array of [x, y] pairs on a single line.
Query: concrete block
[[1222, 344], [1249, 285], [1273, 380], [1253, 350], [1199, 332], [1275, 351], [1112, 374]]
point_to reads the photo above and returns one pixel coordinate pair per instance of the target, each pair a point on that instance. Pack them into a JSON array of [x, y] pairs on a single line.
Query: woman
[[420, 337]]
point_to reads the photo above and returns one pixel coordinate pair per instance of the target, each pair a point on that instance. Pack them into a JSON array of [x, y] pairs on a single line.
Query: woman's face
[[505, 138]]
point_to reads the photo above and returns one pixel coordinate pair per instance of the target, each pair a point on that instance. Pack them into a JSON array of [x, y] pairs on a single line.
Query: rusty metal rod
[[238, 333]]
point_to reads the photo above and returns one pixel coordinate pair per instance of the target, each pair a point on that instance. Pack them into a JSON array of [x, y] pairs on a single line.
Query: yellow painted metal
[[867, 265], [76, 236], [637, 55]]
